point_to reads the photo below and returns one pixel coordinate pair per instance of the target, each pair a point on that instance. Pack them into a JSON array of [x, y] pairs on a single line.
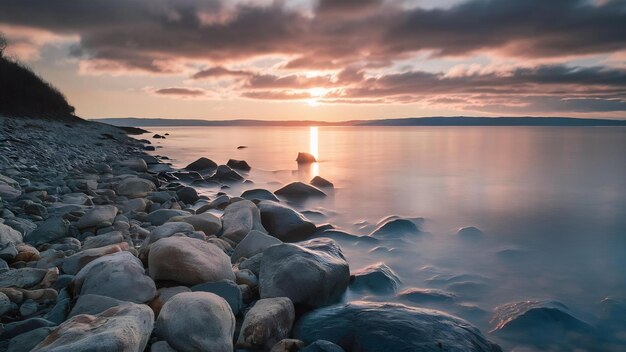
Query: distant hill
[[24, 94], [411, 121]]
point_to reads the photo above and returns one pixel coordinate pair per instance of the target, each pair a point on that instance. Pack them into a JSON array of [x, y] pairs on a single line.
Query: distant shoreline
[[411, 121]]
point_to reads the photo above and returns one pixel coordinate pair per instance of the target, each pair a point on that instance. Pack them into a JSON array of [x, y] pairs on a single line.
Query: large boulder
[[122, 328], [120, 275], [100, 216], [254, 243], [239, 219], [9, 235], [187, 195], [259, 194], [373, 327], [201, 165], [313, 273], [93, 304], [226, 289], [225, 174], [285, 223], [299, 190], [267, 322], [377, 278], [138, 165], [197, 321], [305, 158], [52, 229], [206, 222], [75, 262], [135, 187], [188, 261]]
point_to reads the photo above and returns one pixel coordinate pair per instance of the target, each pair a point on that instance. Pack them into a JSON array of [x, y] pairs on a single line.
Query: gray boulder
[[99, 216], [299, 190], [284, 223], [267, 322], [201, 165], [93, 304], [226, 289], [254, 243], [135, 187], [52, 229], [377, 278], [206, 222], [313, 273], [259, 194], [75, 262], [9, 235], [161, 216], [239, 219]]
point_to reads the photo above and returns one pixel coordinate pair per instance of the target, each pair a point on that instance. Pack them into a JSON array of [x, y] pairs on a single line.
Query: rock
[[52, 229], [9, 235], [287, 345], [21, 327], [395, 228], [377, 278], [322, 346], [122, 328], [305, 158], [321, 182], [284, 223], [254, 243], [73, 264], [165, 294], [29, 278], [21, 225], [166, 230], [138, 165], [226, 174], [93, 304], [201, 165], [120, 275], [253, 264], [226, 289], [197, 321], [36, 209], [161, 346], [188, 261], [107, 239], [299, 190], [5, 304], [136, 205], [205, 222], [135, 187], [187, 195], [259, 194], [372, 327], [469, 231], [538, 322], [9, 193], [99, 216], [238, 165], [424, 295], [313, 273], [161, 216], [246, 277], [27, 341], [239, 219], [267, 322], [29, 307]]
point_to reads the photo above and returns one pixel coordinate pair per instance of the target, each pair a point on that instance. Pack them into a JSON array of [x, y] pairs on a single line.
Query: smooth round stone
[[284, 223], [161, 216], [267, 322], [29, 307], [254, 243], [5, 304], [238, 165], [73, 264], [226, 289], [135, 187], [54, 228], [322, 346], [469, 231], [188, 195], [197, 321], [225, 174], [97, 216], [205, 222], [377, 278], [27, 341], [201, 164], [395, 228], [259, 194], [93, 304], [287, 345], [239, 219], [164, 294], [299, 190], [138, 165]]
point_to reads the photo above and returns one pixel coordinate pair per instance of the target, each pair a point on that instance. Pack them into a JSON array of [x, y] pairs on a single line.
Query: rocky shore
[[104, 247]]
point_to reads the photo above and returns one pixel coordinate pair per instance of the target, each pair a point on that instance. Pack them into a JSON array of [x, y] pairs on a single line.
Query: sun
[[316, 94], [313, 102]]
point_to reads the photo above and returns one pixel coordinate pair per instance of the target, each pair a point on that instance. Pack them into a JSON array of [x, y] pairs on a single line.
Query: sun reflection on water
[[313, 149]]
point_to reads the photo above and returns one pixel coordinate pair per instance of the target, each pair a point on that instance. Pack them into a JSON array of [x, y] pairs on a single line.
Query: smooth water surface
[[551, 202]]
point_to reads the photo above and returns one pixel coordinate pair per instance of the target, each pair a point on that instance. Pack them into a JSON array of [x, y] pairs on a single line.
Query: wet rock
[[188, 261], [135, 187], [187, 195], [254, 243], [27, 341], [426, 295], [259, 194], [28, 307], [299, 191], [120, 275], [107, 239], [205, 222], [321, 182], [225, 174], [395, 228], [322, 346], [136, 205], [29, 278], [284, 223], [5, 304], [138, 165], [161, 216], [197, 321], [246, 277], [373, 327], [93, 304], [73, 264], [312, 273], [165, 294], [52, 229], [305, 158], [469, 231], [377, 278], [9, 235], [287, 345], [21, 327], [226, 289], [267, 322], [238, 165], [239, 219], [253, 264], [201, 165], [122, 328], [100, 216]]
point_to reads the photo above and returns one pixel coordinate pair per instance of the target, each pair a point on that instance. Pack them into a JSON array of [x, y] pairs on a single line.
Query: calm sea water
[[551, 202]]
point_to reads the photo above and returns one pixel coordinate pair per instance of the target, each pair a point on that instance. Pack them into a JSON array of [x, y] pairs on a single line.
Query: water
[[551, 202]]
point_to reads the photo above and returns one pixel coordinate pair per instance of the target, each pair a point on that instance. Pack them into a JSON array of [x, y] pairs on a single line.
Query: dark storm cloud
[[136, 33]]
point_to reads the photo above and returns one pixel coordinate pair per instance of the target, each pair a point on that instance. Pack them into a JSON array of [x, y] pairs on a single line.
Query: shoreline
[[123, 237]]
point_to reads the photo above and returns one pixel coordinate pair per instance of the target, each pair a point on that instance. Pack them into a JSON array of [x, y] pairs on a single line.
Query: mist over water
[[550, 201]]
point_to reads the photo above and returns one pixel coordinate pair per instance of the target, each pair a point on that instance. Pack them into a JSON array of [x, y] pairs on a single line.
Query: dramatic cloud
[[180, 92]]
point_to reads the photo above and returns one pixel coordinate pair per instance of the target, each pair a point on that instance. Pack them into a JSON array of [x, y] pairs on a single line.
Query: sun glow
[[313, 149], [316, 94]]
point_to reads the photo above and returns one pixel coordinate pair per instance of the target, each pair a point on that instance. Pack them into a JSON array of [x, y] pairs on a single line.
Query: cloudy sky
[[326, 59]]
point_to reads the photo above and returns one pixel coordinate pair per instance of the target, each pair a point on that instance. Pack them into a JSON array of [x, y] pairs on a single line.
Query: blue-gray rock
[[259, 194], [187, 195], [377, 278], [52, 229], [267, 322], [426, 295], [28, 340], [161, 216], [254, 243], [396, 228], [284, 223], [201, 165], [225, 174], [322, 346], [239, 219], [298, 190], [226, 289]]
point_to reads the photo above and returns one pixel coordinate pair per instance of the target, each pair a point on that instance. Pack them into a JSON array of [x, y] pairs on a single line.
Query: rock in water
[[284, 223], [188, 195], [469, 231], [225, 174], [377, 278], [120, 275], [267, 322], [122, 328], [240, 218], [201, 165], [299, 190], [197, 321], [98, 216], [313, 273], [424, 295], [238, 165], [259, 194], [305, 158], [395, 228], [135, 187], [254, 243], [374, 327], [138, 165], [188, 261], [321, 182], [322, 346]]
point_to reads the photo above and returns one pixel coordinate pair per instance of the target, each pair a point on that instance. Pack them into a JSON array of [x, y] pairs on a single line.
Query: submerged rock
[[395, 228], [201, 164], [377, 278], [322, 346], [267, 322], [422, 295], [197, 321], [299, 190], [305, 158], [374, 327], [238, 165], [284, 223], [469, 231], [312, 273]]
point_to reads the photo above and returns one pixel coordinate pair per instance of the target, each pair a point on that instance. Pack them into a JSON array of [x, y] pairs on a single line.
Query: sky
[[326, 59]]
